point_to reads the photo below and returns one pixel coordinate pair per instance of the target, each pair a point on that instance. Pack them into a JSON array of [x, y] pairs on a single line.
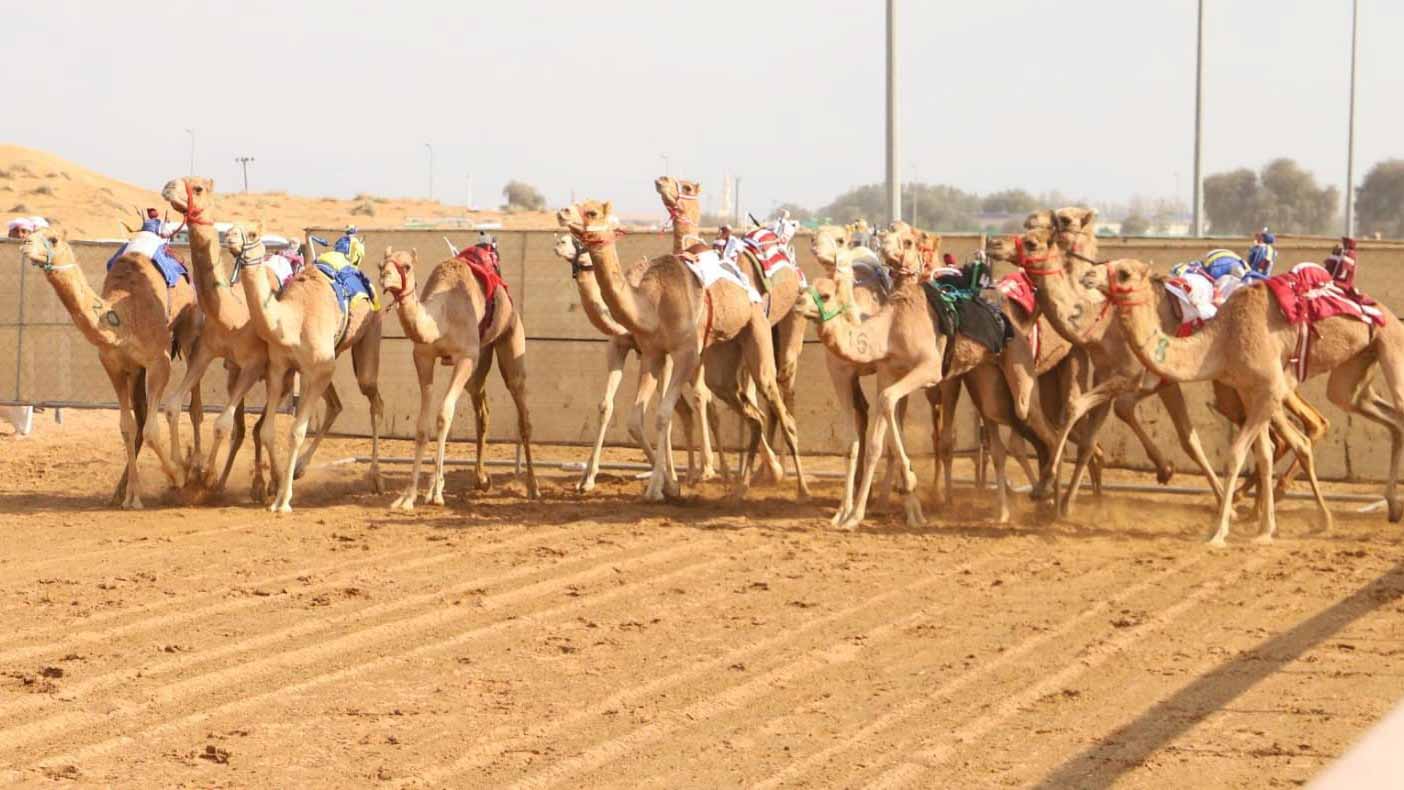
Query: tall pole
[[736, 214], [1197, 223], [431, 170], [894, 178], [244, 162], [191, 132], [1350, 146]]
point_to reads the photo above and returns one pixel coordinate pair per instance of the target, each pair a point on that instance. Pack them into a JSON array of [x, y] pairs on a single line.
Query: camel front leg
[[999, 455], [1268, 518], [462, 370], [911, 500], [760, 361], [1301, 448], [424, 360], [1174, 400], [332, 399], [511, 359], [243, 380], [1089, 426], [172, 461], [845, 381], [685, 362], [925, 374], [316, 384], [651, 367], [616, 354], [949, 392], [482, 415], [365, 362], [1259, 411], [189, 383], [125, 385], [279, 381]]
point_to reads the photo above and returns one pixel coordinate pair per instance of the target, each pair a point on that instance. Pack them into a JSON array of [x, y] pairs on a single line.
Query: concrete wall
[[42, 358]]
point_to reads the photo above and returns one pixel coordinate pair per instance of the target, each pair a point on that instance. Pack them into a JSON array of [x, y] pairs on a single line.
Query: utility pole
[[1197, 223], [916, 198], [1350, 146], [431, 170], [736, 217], [191, 132], [245, 161], [894, 178]]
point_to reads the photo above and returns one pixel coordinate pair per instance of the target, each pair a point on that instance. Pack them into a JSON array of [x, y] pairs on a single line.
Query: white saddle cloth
[[709, 268], [146, 243], [1196, 294], [280, 266]]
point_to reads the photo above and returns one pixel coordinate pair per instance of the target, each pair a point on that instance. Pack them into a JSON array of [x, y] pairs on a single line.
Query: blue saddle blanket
[[155, 248], [348, 284]]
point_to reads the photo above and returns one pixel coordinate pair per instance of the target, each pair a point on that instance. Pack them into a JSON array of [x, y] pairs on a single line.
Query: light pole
[[245, 161], [431, 170], [1197, 213], [894, 179], [1350, 145], [191, 132]]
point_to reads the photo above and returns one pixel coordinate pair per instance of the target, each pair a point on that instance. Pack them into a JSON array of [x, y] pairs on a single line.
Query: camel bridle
[[403, 270]]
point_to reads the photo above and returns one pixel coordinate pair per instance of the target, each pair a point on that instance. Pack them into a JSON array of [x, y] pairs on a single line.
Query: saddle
[[958, 308], [483, 262], [1308, 294], [146, 243]]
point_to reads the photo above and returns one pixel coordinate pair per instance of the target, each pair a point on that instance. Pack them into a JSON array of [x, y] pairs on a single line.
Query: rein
[[48, 264], [398, 294], [576, 266], [1025, 262]]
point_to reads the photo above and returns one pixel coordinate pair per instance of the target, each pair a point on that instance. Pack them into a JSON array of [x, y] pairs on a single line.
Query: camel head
[[675, 192], [591, 221], [1128, 282], [191, 196], [244, 240], [910, 251], [1077, 231], [48, 249], [826, 243], [821, 302], [571, 250], [397, 273]]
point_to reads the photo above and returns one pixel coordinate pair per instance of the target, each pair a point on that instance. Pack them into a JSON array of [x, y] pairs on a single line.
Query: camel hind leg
[[616, 354], [482, 413], [511, 359], [316, 385], [760, 361], [1348, 387], [443, 422], [365, 362]]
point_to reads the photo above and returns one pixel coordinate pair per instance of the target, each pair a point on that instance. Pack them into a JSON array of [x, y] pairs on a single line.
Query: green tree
[[1379, 200], [1135, 225], [797, 212], [1231, 202], [936, 206], [521, 196], [1283, 197]]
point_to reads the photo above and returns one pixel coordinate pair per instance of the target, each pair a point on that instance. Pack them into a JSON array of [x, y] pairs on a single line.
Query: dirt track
[[597, 641]]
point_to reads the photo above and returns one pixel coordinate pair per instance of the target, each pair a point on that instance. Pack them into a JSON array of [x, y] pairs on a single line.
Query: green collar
[[824, 315]]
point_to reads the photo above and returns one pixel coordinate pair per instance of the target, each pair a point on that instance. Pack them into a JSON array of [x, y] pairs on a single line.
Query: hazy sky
[[1091, 97]]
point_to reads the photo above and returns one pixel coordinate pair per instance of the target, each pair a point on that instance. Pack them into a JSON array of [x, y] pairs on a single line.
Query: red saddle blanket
[[1017, 287], [766, 246], [482, 261], [1308, 294]]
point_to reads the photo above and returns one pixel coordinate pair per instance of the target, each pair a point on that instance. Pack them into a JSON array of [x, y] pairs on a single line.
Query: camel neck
[[265, 308], [686, 222], [596, 310], [420, 327], [618, 295], [89, 311], [1071, 310], [854, 339], [1171, 358], [211, 281]]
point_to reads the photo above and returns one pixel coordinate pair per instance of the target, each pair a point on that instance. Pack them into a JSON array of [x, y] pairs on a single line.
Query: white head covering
[[39, 223], [22, 223]]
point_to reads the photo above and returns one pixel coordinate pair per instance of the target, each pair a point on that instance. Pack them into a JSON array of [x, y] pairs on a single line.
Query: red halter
[[193, 215], [1025, 262]]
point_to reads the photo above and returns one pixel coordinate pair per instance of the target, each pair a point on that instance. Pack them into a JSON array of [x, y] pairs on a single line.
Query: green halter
[[824, 315]]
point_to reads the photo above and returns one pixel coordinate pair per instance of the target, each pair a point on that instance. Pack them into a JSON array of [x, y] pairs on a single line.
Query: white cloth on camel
[[146, 243], [709, 267]]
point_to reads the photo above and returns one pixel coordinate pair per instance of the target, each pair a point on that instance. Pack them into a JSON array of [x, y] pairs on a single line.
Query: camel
[[227, 334], [1058, 252], [670, 315], [1251, 347], [900, 340], [446, 325], [722, 363], [306, 330], [137, 325], [620, 345]]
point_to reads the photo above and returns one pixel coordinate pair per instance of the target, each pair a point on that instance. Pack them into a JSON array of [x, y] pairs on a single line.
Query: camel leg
[[923, 375], [365, 363], [243, 380], [197, 418], [1268, 518], [236, 441], [649, 374], [172, 461], [1347, 387], [333, 401], [511, 360], [998, 455], [1301, 447], [125, 385], [1017, 448], [199, 360], [279, 381], [1258, 414], [684, 368], [846, 387], [1089, 426], [1125, 408], [482, 412], [760, 361], [462, 369], [616, 354], [316, 385], [911, 503], [945, 441], [1173, 399], [424, 369]]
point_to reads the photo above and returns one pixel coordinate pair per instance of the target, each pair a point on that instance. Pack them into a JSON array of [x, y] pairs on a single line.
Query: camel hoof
[[1217, 542], [533, 491], [258, 491], [377, 484], [837, 518], [484, 482], [1263, 540], [849, 524], [279, 509], [132, 504], [1165, 474], [1396, 511], [585, 486], [438, 498]]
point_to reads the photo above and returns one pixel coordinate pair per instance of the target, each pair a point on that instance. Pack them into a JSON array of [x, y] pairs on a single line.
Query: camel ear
[[934, 239], [256, 228], [1089, 219], [388, 251], [607, 208], [414, 255]]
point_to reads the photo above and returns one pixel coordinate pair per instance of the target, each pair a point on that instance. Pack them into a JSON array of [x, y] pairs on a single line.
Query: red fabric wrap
[[483, 262], [1301, 300], [1018, 287]]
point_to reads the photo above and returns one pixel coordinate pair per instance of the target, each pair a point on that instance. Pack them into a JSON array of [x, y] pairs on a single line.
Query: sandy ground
[[593, 640], [90, 205]]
